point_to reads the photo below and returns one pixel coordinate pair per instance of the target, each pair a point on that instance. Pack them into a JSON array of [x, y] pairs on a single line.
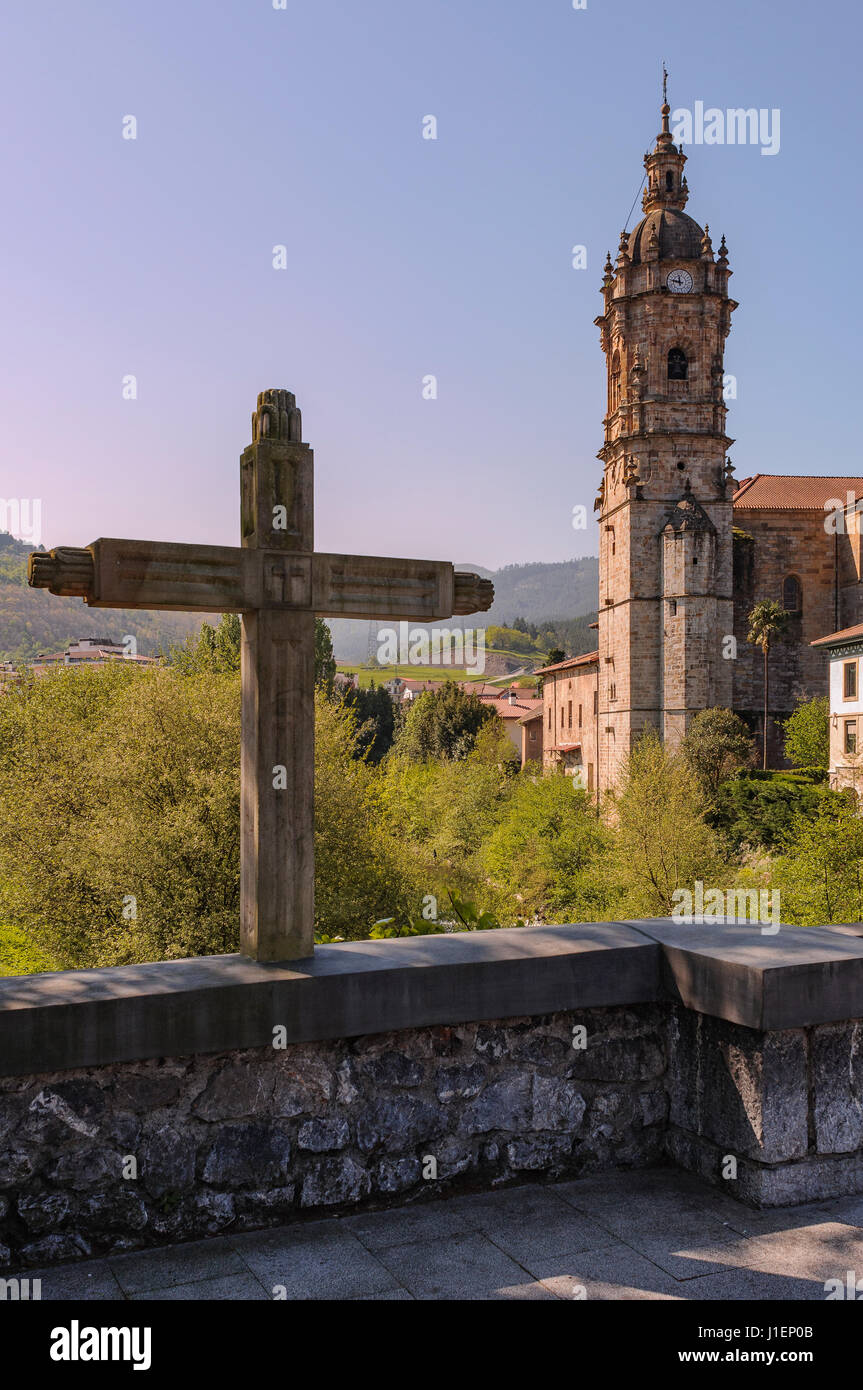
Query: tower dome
[[678, 235], [665, 230]]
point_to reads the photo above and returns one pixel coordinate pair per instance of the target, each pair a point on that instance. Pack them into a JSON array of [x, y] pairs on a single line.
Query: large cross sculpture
[[277, 582]]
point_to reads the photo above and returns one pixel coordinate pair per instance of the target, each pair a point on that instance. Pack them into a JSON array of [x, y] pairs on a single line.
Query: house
[[90, 651], [570, 717], [512, 707], [531, 736], [843, 650]]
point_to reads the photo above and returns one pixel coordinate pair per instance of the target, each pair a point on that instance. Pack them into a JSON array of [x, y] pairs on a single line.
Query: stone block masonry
[[402, 1071], [247, 1139]]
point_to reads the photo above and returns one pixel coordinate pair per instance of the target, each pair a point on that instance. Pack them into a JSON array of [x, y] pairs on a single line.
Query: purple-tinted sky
[[303, 127]]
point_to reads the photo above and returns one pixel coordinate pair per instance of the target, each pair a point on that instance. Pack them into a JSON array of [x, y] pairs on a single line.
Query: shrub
[[547, 857]]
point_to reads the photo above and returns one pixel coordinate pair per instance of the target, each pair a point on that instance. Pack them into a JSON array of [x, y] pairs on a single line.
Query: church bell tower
[[664, 503]]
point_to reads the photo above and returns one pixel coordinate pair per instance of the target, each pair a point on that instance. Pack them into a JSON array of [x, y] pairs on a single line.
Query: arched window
[[792, 595], [678, 367], [669, 181], [614, 383]]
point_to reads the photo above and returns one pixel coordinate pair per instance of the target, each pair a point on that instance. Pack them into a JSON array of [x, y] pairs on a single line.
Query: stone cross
[[278, 583]]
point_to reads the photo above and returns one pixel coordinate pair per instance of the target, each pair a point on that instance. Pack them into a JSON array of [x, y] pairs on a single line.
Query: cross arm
[[162, 575]]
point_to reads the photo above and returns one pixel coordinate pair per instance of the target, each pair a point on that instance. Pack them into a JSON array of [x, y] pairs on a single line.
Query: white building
[[844, 650]]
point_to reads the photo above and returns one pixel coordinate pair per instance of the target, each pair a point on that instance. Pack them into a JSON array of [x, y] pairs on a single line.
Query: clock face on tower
[[679, 281]]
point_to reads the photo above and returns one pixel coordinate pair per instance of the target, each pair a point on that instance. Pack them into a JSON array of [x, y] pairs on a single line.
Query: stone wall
[[786, 1105], [148, 1104], [249, 1138], [785, 542]]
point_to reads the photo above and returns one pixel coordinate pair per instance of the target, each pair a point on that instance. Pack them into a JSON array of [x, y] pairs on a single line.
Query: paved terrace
[[650, 1234]]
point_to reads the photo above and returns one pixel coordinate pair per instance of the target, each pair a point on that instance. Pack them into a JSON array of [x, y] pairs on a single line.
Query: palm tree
[[766, 620]]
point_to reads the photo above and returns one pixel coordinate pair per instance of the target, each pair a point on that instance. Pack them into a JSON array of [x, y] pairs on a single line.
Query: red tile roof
[[847, 634], [782, 491], [522, 709], [588, 658]]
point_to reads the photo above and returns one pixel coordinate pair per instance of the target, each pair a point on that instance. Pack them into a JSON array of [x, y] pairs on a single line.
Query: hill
[[559, 599], [542, 593], [33, 621], [548, 595]]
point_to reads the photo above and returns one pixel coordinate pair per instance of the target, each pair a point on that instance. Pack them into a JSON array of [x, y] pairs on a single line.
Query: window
[[579, 715], [792, 594], [614, 383], [612, 691], [678, 367], [561, 716], [532, 735], [569, 715], [669, 180], [849, 680], [595, 701], [549, 718], [850, 735], [672, 607]]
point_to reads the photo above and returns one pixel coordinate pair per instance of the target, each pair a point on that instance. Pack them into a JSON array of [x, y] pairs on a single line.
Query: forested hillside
[[33, 621], [561, 596]]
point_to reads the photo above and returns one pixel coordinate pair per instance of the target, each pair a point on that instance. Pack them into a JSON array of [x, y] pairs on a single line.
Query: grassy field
[[379, 674], [18, 955]]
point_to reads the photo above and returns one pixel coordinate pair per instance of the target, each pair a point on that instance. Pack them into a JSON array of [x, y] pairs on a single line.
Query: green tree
[[662, 839], [766, 621], [120, 817], [493, 745], [362, 873], [807, 733], [555, 655], [218, 649], [717, 744], [325, 662], [442, 723], [820, 878], [547, 857], [119, 813], [508, 639], [215, 649], [751, 813], [442, 813], [377, 717]]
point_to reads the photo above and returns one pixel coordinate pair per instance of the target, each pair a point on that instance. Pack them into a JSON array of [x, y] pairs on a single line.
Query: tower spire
[[665, 134], [666, 183]]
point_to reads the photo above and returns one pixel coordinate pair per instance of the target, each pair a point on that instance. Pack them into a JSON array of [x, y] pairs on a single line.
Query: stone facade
[[570, 718], [784, 552], [248, 1139], [665, 556], [684, 552]]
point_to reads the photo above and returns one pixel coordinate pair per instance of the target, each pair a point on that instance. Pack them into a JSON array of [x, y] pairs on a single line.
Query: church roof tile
[[785, 491]]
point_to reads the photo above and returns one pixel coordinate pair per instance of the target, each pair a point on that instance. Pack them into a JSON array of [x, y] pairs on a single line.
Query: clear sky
[[406, 257]]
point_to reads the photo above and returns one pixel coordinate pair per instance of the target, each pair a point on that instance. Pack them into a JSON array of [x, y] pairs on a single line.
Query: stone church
[[685, 550]]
